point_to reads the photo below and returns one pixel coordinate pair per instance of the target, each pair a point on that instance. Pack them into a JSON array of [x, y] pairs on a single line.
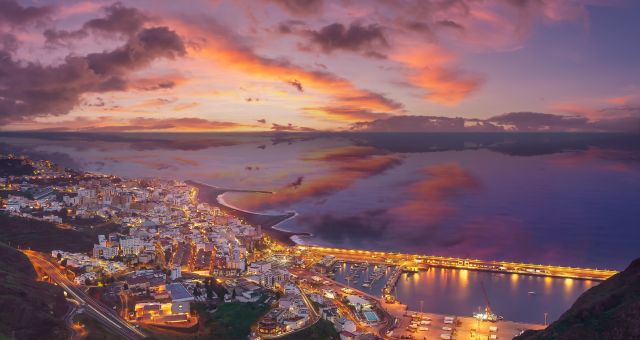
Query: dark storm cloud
[[118, 19], [28, 89], [14, 14], [365, 39], [300, 7]]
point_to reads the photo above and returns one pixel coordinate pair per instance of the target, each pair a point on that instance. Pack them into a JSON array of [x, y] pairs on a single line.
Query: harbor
[[445, 291]]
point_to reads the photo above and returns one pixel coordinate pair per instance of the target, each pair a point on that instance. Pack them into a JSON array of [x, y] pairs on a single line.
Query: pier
[[417, 261], [391, 282]]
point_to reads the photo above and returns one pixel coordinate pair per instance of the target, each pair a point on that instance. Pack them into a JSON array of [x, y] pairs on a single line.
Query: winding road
[[104, 315]]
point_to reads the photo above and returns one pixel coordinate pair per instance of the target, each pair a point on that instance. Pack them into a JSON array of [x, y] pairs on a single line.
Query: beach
[[268, 222]]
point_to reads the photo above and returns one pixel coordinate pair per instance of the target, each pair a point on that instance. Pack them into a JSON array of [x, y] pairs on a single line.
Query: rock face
[[29, 309], [610, 310]]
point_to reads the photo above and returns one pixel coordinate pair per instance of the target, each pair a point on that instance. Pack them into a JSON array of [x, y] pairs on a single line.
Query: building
[[176, 273], [131, 245], [180, 298], [104, 252]]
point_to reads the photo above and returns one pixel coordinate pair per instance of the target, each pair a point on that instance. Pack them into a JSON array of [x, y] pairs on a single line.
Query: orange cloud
[[220, 46], [430, 69], [110, 124]]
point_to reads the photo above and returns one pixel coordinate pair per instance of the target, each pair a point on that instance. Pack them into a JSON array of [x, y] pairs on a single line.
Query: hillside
[[45, 236], [29, 308], [610, 310]]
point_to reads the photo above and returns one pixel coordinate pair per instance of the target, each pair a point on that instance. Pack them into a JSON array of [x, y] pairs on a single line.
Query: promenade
[[417, 261]]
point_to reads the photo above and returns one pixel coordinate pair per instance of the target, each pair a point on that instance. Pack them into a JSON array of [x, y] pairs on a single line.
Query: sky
[[304, 65]]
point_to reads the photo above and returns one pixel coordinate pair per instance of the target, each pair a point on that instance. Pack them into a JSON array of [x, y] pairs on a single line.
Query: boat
[[532, 293], [366, 285]]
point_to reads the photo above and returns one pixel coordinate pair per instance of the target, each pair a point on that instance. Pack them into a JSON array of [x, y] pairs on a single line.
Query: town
[[164, 262]]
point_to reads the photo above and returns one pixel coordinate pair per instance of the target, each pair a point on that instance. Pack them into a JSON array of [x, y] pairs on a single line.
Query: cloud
[[430, 68], [118, 19], [108, 124], [297, 182], [344, 113], [512, 121], [534, 121], [365, 39], [221, 46], [290, 128], [300, 7], [31, 89], [147, 45], [425, 124], [14, 14], [297, 84]]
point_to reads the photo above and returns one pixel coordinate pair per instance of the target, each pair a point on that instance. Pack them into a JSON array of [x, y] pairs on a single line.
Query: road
[[92, 307], [379, 328], [425, 261]]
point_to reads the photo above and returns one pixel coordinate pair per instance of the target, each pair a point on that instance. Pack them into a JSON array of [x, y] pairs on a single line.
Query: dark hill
[[610, 310], [29, 309]]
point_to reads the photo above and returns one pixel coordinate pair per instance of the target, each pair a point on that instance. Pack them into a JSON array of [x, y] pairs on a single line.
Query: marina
[[522, 298]]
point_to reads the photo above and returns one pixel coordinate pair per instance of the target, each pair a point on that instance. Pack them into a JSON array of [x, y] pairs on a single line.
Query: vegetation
[[29, 308], [14, 167], [95, 330], [45, 236], [321, 330], [231, 320], [610, 310]]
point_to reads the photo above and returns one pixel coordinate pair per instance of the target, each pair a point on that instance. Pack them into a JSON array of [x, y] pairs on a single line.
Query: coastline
[[211, 195]]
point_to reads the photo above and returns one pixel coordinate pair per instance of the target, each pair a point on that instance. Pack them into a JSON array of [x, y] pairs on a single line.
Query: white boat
[[423, 329]]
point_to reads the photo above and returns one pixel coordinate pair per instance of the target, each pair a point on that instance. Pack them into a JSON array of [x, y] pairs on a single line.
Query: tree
[[233, 294], [87, 282], [209, 292], [64, 262], [125, 286], [196, 291], [59, 257]]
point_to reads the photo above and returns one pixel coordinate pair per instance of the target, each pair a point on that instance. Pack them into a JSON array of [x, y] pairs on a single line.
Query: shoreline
[[211, 195]]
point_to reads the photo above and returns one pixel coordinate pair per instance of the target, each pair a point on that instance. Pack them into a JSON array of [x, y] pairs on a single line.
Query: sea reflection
[[566, 199]]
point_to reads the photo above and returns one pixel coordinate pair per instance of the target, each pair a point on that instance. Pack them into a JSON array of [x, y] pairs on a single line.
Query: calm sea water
[[459, 292], [565, 199]]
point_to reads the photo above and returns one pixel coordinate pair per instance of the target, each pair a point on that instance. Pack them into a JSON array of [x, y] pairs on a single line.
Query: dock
[[419, 261]]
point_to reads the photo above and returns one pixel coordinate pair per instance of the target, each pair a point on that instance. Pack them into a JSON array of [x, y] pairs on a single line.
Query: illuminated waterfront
[[459, 292]]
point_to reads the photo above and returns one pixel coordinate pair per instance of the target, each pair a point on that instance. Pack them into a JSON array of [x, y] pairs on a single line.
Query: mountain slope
[[30, 309], [610, 310]]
